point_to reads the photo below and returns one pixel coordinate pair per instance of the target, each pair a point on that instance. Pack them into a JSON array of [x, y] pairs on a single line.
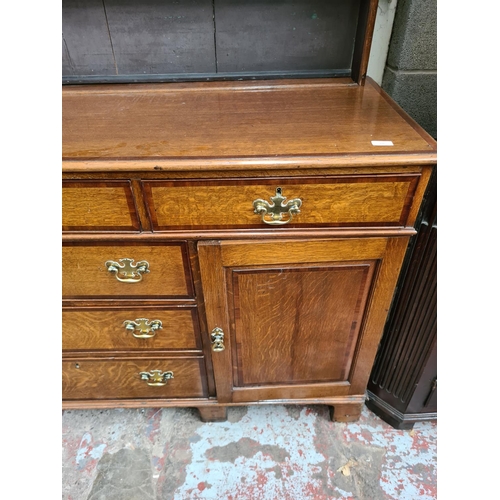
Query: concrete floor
[[260, 453]]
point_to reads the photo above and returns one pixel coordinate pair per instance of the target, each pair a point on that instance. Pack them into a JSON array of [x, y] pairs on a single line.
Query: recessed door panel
[[296, 325]]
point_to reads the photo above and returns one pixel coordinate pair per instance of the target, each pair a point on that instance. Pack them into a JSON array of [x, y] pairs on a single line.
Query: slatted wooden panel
[[269, 35], [87, 48], [410, 334], [162, 36], [126, 38]]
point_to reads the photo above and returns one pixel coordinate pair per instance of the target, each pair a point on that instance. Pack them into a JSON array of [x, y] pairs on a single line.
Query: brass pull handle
[[217, 338], [272, 214], [156, 378], [146, 328], [126, 272]]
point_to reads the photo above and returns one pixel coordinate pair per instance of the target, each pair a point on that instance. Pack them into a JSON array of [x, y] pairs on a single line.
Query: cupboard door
[[291, 319]]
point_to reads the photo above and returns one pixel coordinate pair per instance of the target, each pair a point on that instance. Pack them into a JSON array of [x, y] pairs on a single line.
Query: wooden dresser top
[[317, 119]]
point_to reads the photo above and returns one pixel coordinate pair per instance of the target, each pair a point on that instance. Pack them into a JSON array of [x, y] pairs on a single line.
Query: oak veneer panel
[[86, 276], [261, 252], [288, 393], [119, 378], [215, 305], [231, 119], [376, 315], [297, 325], [220, 261], [98, 206], [342, 201], [102, 329]]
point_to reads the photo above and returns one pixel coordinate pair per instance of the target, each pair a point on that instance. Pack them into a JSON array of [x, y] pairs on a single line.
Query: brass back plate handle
[[125, 271], [156, 378], [143, 328], [279, 212]]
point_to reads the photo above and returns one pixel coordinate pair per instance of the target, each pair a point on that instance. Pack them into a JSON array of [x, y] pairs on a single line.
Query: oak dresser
[[233, 242]]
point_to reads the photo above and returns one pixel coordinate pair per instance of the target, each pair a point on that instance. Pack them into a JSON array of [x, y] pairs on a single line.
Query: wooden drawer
[[342, 201], [86, 275], [98, 206], [104, 329], [121, 379]]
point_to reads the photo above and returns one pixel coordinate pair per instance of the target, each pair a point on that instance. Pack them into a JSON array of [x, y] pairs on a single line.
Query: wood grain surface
[[376, 314], [364, 35], [226, 166], [98, 206], [245, 284], [103, 329], [85, 273], [336, 201], [302, 306], [231, 119], [197, 169], [261, 252], [297, 324], [291, 392], [204, 403], [119, 378], [217, 316]]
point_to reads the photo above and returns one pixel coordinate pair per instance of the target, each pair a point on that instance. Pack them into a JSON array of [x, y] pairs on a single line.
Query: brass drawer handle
[[146, 328], [126, 272], [273, 214], [217, 338], [156, 378]]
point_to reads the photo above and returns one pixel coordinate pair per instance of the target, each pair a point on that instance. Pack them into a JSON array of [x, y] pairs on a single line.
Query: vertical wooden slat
[[421, 351], [201, 313], [406, 350], [377, 311], [214, 293], [142, 212], [391, 346], [126, 38], [86, 45], [67, 63], [364, 35], [162, 36], [417, 302]]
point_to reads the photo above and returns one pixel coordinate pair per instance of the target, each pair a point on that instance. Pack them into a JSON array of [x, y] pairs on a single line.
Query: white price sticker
[[382, 143]]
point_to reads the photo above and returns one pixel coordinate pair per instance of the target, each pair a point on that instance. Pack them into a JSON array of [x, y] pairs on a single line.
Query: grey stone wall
[[410, 76]]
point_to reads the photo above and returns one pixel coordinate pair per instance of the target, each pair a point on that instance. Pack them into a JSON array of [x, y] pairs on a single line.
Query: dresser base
[[253, 307], [213, 413], [346, 412], [210, 411]]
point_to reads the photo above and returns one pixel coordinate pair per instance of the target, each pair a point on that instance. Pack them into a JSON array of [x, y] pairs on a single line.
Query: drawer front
[[98, 206], [130, 329], [122, 379], [114, 271], [343, 201]]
